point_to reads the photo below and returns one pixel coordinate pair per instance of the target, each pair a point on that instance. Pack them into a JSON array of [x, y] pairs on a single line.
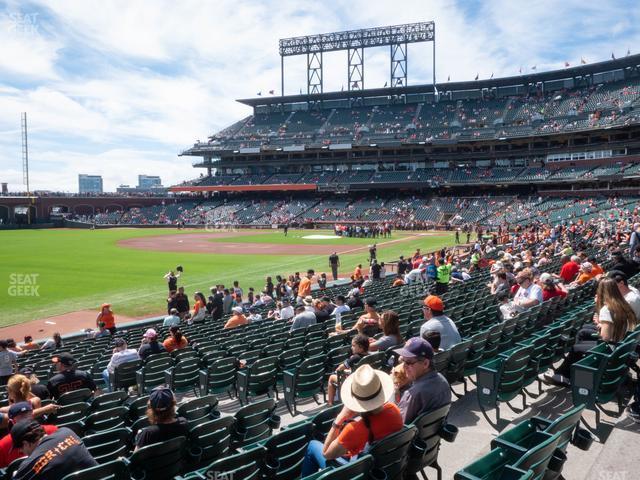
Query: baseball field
[[54, 272]]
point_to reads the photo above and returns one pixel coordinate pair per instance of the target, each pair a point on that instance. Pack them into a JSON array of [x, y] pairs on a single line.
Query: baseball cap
[[65, 358], [19, 408], [26, 371], [237, 309], [150, 333], [434, 303], [119, 342], [416, 347], [161, 399], [587, 266], [21, 429], [546, 278]]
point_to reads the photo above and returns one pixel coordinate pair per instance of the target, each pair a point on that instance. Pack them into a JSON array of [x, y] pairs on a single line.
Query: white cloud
[[116, 87]]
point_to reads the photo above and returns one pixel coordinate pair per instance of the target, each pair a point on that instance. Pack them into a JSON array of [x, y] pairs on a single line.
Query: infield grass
[[80, 269]]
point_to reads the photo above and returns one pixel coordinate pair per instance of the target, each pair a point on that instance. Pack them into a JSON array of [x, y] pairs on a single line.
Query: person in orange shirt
[[236, 320], [357, 273], [106, 316], [595, 268], [365, 394], [175, 340], [585, 274], [304, 289], [29, 344]]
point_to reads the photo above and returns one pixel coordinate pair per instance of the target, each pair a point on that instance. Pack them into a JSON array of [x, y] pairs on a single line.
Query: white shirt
[[286, 313], [633, 299], [118, 358], [531, 292], [339, 310]]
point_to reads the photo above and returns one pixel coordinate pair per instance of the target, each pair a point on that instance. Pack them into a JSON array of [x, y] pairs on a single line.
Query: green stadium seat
[[257, 379], [304, 381], [219, 377], [151, 374], [210, 440], [109, 445], [160, 461], [114, 470]]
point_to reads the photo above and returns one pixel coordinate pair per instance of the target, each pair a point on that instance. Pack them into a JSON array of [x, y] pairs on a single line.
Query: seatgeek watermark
[[219, 475], [23, 24], [23, 285]]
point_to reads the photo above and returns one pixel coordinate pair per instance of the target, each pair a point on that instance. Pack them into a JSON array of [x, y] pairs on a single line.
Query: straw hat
[[366, 389]]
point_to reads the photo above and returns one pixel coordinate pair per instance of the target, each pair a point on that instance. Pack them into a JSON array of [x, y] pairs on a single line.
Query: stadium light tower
[[397, 37], [25, 151]]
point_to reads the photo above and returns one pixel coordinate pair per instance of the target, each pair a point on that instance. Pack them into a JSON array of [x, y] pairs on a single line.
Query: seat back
[[242, 466], [358, 470], [203, 408], [75, 396], [108, 400], [254, 422], [114, 470], [221, 375], [71, 412], [514, 369], [151, 374], [124, 375], [262, 375], [322, 421], [310, 376], [106, 419], [391, 453], [211, 440], [565, 425], [185, 374], [537, 458], [160, 461], [457, 361], [109, 445], [286, 451], [428, 427]]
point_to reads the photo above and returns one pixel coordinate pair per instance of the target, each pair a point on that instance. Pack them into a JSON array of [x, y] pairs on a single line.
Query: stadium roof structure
[[581, 72]]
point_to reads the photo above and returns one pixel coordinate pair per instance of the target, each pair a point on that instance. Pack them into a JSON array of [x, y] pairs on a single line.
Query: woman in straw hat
[[365, 394]]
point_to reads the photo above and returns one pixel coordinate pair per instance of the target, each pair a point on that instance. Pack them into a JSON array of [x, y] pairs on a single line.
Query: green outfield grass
[[80, 269]]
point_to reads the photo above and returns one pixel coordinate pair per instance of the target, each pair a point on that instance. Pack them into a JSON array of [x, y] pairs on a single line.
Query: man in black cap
[[429, 390], [19, 412], [50, 456], [68, 378], [164, 426]]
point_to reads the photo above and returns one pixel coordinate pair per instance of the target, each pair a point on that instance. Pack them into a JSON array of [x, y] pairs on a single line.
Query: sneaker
[[634, 412], [556, 379]]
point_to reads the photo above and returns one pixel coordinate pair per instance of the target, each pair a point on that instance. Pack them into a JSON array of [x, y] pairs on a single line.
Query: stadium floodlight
[[397, 37]]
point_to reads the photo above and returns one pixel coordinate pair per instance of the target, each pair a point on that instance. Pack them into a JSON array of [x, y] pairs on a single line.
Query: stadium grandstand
[[396, 375]]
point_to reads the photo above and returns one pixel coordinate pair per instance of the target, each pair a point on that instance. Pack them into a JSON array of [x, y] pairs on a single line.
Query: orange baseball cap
[[434, 303]]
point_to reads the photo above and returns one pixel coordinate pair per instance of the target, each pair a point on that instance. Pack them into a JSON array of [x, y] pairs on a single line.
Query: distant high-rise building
[[89, 183], [147, 182]]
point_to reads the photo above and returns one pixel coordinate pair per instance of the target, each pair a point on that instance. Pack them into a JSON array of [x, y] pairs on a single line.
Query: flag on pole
[[449, 78], [386, 84], [520, 70], [566, 64], [477, 76], [534, 67], [613, 57], [628, 52], [271, 92], [259, 94], [342, 89], [491, 75], [583, 61]]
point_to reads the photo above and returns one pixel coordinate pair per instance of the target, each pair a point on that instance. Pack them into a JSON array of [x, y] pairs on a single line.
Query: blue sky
[[118, 88]]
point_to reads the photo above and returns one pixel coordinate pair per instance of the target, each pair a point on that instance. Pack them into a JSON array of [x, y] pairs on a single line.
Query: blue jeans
[[105, 377], [314, 459]]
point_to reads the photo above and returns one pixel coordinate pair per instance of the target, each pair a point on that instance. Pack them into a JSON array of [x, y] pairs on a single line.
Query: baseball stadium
[[430, 280]]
